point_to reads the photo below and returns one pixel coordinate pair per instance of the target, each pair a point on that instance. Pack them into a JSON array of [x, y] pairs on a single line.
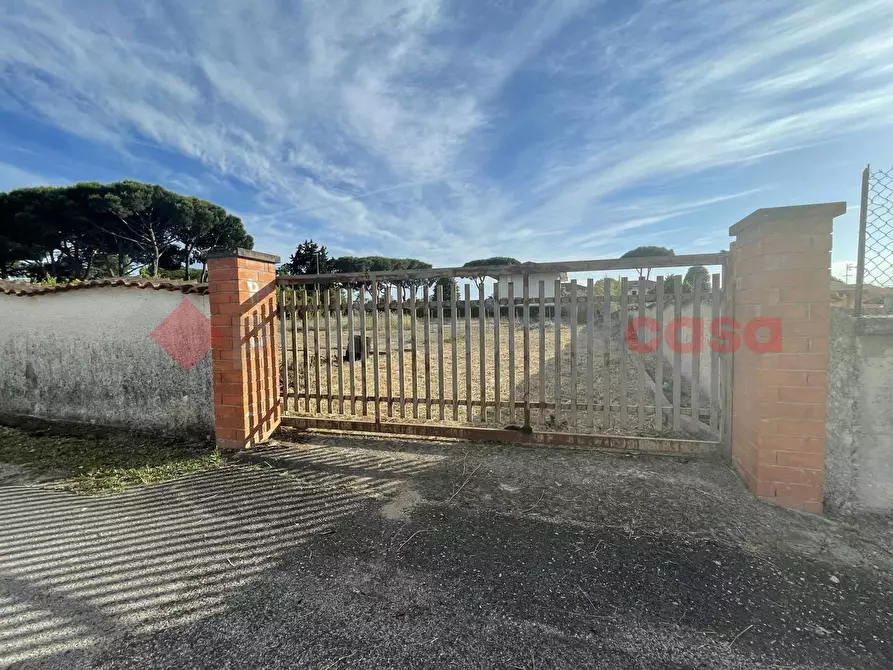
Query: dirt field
[[424, 379]]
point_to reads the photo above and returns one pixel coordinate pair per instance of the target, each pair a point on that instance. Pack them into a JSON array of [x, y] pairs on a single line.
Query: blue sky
[[448, 131]]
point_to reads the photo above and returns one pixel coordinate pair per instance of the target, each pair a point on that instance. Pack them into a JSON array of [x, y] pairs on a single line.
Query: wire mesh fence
[[874, 274]]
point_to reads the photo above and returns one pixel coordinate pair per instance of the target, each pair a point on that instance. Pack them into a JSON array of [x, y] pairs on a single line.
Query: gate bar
[[477, 433]]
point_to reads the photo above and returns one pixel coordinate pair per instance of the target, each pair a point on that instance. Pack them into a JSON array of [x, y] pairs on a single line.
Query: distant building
[[548, 280], [632, 286]]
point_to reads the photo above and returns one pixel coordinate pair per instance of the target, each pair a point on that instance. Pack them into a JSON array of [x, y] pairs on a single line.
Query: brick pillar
[[244, 339], [781, 264]]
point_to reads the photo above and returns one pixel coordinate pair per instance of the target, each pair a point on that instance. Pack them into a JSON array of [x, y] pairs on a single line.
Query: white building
[[632, 286], [535, 279]]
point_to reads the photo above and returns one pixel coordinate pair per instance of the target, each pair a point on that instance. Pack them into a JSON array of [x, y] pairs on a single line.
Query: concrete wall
[[685, 334], [859, 424], [87, 355]]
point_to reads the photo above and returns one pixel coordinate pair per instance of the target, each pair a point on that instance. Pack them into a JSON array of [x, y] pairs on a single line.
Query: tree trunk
[[188, 253], [156, 252], [89, 265]]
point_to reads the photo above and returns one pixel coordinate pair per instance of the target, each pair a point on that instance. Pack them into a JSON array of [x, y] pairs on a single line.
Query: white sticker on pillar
[[252, 287]]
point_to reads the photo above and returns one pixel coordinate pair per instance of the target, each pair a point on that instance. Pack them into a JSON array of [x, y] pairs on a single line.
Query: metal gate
[[534, 357]]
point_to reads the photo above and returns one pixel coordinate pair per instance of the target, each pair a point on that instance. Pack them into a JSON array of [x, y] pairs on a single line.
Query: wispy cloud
[[454, 130]]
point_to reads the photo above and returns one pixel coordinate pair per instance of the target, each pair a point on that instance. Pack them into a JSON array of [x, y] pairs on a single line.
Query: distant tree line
[[697, 274], [312, 258], [93, 230]]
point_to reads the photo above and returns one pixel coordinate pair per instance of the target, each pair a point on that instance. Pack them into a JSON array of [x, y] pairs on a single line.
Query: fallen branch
[[738, 635], [338, 660], [530, 509], [591, 604], [467, 479], [409, 538]]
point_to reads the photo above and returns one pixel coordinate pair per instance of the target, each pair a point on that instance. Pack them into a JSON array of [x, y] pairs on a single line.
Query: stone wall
[[98, 356]]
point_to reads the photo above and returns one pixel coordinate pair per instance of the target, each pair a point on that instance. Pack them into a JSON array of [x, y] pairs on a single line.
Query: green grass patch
[[91, 460]]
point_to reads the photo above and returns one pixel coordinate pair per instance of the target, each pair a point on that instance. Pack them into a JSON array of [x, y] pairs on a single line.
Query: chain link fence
[[874, 273]]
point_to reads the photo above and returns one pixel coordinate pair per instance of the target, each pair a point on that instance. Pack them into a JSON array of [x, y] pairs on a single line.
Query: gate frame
[[719, 447]]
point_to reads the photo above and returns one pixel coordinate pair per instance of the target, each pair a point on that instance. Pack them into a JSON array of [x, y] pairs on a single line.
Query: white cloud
[[454, 130]]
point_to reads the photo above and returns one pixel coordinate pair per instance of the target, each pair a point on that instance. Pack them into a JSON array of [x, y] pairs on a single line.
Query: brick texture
[[245, 355], [782, 270]]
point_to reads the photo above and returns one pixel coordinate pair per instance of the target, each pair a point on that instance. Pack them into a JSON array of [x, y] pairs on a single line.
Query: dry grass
[[424, 381]]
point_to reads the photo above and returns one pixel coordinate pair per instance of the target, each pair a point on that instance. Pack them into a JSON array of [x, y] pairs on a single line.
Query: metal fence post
[[863, 219]]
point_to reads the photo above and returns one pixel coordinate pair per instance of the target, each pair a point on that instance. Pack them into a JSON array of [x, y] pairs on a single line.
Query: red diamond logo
[[185, 335]]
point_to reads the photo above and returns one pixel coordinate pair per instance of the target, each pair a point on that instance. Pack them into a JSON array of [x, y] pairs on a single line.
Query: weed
[[90, 460]]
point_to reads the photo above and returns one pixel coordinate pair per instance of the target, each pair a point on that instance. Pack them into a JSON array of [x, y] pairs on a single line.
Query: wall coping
[[822, 211], [22, 288], [250, 254]]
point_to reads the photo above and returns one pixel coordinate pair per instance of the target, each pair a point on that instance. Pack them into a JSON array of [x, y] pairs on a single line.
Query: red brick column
[[244, 343], [781, 264]]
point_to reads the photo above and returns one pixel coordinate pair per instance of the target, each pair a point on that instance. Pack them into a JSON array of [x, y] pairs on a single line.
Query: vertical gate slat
[[572, 321], [364, 386], [269, 319], [557, 288], [328, 330], [590, 352], [253, 367], [376, 386], [401, 386], [714, 356], [269, 331], [426, 323], [468, 353], [283, 348], [454, 351], [353, 351], [640, 359], [606, 356], [725, 360], [482, 340], [339, 343], [624, 357], [659, 355], [696, 334], [306, 333], [388, 376], [677, 354], [511, 301], [541, 287], [414, 365], [438, 296], [316, 363], [526, 350], [293, 313], [266, 379], [497, 391]]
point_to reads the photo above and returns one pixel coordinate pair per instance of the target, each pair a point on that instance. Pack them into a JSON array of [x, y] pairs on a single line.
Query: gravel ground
[[344, 552]]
